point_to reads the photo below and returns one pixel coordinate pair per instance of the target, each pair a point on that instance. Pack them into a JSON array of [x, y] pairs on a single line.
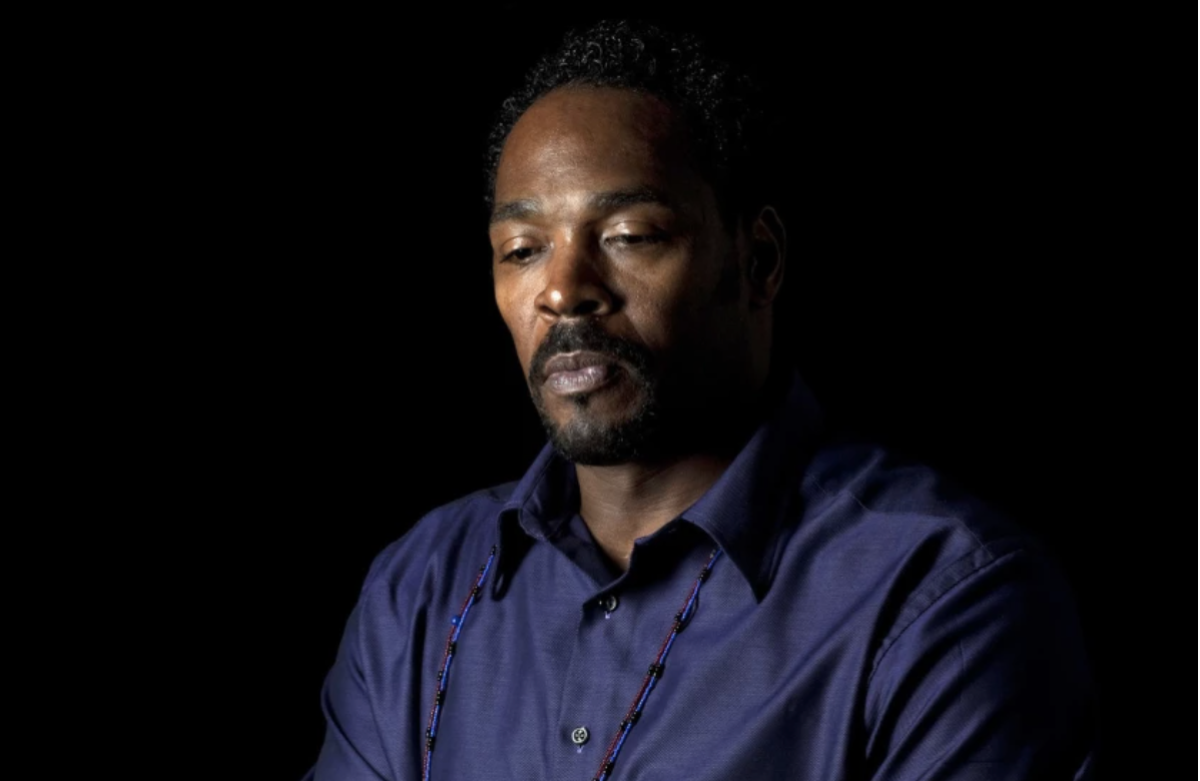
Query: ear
[[768, 254]]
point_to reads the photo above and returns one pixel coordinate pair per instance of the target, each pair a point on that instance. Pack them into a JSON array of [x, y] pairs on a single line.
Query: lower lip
[[582, 380]]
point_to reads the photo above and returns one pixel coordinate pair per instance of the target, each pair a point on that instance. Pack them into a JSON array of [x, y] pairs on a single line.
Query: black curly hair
[[721, 107]]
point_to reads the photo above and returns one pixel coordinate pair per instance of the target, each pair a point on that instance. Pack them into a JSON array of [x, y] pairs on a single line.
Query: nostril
[[586, 307]]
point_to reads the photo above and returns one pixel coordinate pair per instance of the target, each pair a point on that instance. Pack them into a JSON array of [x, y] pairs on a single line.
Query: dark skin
[[600, 215]]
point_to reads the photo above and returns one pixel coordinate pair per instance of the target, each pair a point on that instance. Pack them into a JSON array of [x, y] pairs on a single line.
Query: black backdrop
[[971, 281]]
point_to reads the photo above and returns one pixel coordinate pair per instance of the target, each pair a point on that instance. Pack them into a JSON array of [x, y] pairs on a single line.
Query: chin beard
[[586, 440]]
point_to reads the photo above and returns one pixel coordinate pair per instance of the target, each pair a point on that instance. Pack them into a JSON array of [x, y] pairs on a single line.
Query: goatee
[[586, 439]]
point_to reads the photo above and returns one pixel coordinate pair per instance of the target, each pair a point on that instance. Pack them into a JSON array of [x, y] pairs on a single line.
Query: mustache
[[590, 336]]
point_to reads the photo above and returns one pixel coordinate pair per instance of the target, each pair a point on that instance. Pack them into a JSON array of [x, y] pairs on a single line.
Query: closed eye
[[518, 255], [636, 238]]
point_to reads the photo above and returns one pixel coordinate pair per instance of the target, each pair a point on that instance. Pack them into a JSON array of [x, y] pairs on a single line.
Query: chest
[[542, 684]]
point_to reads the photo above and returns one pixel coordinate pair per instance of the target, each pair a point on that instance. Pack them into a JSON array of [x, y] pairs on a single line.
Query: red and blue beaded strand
[[631, 716], [654, 673], [444, 673]]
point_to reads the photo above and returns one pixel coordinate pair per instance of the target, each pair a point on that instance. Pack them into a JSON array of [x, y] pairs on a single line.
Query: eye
[[518, 253], [635, 239]]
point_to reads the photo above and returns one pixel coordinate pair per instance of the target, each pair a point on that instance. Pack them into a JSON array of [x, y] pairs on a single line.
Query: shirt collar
[[742, 512], [745, 509]]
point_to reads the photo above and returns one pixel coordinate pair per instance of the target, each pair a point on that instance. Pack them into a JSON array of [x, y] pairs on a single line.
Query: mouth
[[578, 372]]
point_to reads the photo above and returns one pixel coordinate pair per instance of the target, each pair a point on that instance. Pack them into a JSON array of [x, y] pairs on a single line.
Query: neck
[[623, 502]]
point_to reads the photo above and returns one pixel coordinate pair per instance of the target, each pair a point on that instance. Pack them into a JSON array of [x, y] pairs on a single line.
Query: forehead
[[594, 138]]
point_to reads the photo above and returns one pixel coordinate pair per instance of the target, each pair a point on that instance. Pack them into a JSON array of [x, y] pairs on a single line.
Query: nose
[[575, 284]]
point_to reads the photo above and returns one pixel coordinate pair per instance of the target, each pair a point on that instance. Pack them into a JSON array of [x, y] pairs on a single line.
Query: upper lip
[[569, 362]]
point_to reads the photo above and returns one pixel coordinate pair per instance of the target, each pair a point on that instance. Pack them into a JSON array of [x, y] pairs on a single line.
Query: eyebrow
[[606, 201]]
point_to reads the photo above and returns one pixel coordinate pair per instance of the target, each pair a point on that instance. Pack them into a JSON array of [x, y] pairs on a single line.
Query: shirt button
[[579, 736], [609, 603]]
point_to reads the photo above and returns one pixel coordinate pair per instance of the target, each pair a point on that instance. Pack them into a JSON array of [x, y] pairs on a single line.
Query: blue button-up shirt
[[860, 620]]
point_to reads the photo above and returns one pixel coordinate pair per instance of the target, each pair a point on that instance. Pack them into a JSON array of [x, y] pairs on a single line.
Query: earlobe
[[768, 256]]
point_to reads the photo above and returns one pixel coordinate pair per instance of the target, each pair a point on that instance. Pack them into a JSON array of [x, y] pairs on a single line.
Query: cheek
[[515, 312], [668, 306], [690, 318]]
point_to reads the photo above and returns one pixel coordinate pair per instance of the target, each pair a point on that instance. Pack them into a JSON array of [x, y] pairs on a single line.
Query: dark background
[[975, 278]]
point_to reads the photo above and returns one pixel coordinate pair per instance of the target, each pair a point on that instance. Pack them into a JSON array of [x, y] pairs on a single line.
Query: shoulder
[[447, 539], [974, 657], [928, 540], [868, 489]]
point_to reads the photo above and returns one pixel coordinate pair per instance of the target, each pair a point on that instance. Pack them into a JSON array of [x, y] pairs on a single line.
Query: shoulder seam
[[895, 636], [379, 562]]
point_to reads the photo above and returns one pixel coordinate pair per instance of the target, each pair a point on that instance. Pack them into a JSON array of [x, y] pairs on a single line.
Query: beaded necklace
[[631, 716]]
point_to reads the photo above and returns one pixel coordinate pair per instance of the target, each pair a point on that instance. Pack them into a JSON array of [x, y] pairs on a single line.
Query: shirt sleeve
[[986, 680], [352, 750]]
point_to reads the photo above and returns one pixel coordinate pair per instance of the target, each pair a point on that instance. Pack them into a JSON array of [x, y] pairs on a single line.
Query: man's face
[[613, 271]]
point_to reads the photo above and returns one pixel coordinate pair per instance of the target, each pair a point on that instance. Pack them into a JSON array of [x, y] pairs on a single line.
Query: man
[[694, 580]]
